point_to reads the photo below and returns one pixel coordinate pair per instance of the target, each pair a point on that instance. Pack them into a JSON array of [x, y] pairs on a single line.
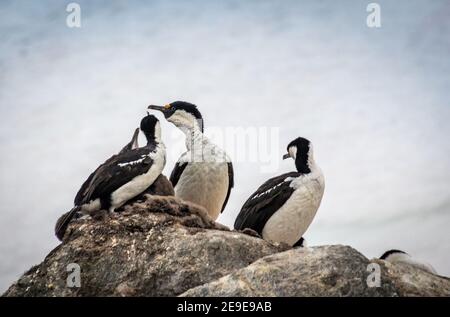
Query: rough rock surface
[[318, 271], [165, 247], [142, 253], [411, 281]]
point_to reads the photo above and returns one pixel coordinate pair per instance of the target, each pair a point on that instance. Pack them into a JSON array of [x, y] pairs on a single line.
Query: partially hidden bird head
[[392, 252], [301, 151], [150, 126], [183, 115]]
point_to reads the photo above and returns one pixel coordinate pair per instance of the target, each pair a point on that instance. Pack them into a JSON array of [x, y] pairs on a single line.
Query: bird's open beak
[[286, 156]]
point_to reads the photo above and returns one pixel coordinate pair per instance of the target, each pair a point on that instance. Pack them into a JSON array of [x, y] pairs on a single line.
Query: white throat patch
[[158, 132], [184, 120], [293, 152]]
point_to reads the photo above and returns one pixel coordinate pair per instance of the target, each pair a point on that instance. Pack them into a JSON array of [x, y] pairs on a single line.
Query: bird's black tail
[[63, 222]]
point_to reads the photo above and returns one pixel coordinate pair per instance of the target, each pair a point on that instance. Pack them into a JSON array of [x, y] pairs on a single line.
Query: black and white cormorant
[[204, 173], [133, 144], [161, 186], [398, 256], [122, 177], [282, 208]]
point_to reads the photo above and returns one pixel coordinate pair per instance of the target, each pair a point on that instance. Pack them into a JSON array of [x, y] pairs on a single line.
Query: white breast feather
[[204, 180], [141, 182], [291, 221]]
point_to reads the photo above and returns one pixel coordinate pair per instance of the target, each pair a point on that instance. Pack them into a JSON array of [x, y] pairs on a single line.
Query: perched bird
[[398, 256], [283, 207], [204, 173], [122, 177], [161, 186], [133, 144]]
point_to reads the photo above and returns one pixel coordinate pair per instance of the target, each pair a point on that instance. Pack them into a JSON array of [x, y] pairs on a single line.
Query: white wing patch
[[288, 179], [143, 157], [138, 184]]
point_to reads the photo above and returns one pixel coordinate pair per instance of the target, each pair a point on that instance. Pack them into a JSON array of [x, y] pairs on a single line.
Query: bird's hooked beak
[[286, 156], [159, 108], [164, 110]]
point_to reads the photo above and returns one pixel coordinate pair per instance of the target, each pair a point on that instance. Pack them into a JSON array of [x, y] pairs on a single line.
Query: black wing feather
[[63, 222], [176, 173], [82, 192], [257, 210], [230, 184], [110, 176]]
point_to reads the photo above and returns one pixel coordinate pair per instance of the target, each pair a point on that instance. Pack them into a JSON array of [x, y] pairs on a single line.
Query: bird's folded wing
[[230, 184], [267, 199], [176, 172], [115, 172], [83, 191]]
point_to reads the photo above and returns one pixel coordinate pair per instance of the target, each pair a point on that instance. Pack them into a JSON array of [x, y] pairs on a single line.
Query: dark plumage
[[264, 202], [176, 172], [128, 147], [389, 252], [282, 208], [103, 188], [230, 184]]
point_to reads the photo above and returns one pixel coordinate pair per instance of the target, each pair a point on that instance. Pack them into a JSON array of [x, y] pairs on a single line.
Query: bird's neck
[[150, 139], [305, 165], [302, 167], [194, 137], [155, 137]]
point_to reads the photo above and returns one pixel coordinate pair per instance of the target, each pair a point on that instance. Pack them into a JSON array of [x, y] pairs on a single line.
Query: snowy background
[[374, 102]]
